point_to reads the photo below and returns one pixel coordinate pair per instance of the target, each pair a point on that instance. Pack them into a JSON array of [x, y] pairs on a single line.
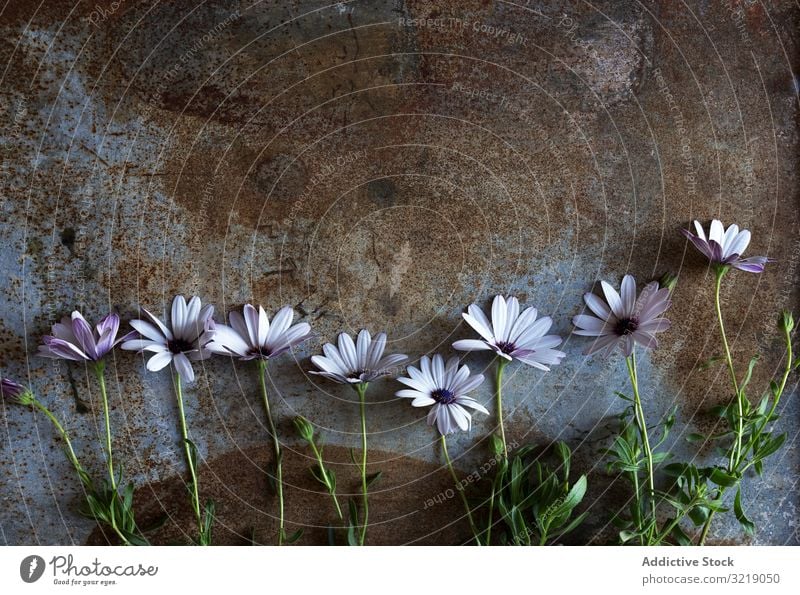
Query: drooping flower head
[[74, 339], [623, 320], [513, 335], [445, 387], [251, 336], [356, 363], [724, 247], [15, 392], [190, 330]]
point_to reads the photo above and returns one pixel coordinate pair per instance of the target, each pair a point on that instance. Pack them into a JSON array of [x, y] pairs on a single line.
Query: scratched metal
[[384, 164]]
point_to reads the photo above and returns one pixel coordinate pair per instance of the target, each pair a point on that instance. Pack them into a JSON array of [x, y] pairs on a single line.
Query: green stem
[[99, 368], [326, 477], [460, 490], [262, 370], [736, 451], [759, 430], [361, 389], [189, 458], [501, 365], [640, 421]]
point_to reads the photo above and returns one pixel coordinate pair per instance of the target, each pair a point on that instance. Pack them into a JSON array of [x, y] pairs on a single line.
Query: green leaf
[[353, 456], [565, 454], [660, 457], [373, 478], [749, 374], [293, 537], [770, 447], [722, 478], [699, 515], [680, 536], [695, 438], [625, 536], [352, 538], [495, 445], [748, 525], [573, 498], [574, 524], [623, 396]]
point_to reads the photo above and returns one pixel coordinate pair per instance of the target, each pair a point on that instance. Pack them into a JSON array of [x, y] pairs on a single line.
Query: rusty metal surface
[[383, 164]]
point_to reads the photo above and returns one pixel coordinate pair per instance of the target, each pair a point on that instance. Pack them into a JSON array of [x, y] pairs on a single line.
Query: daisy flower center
[[505, 346], [179, 345], [443, 396], [626, 326]]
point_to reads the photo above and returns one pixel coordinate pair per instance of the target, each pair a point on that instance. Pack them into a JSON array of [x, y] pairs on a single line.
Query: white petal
[[699, 228], [376, 349], [362, 347], [416, 384], [717, 232], [512, 313], [178, 318], [251, 323], [263, 326], [527, 318], [240, 326], [499, 311], [480, 325], [739, 243], [227, 340], [336, 358], [146, 329], [472, 404], [280, 324], [164, 330], [471, 345], [536, 330], [347, 350], [183, 367], [411, 394], [159, 361], [327, 365]]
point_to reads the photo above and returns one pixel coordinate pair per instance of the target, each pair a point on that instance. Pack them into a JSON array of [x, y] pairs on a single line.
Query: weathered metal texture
[[381, 165]]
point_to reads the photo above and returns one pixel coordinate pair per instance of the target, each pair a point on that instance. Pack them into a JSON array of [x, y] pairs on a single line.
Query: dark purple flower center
[[505, 346], [179, 345], [626, 326], [443, 396]]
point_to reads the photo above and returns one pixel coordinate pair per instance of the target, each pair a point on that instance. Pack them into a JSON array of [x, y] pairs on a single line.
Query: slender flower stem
[[189, 458], [99, 370], [361, 389], [736, 451], [262, 371], [501, 365], [735, 467], [460, 490], [640, 421], [326, 477]]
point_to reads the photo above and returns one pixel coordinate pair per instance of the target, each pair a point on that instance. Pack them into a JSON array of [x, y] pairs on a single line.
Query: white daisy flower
[[513, 335], [356, 363], [190, 330], [251, 336], [445, 387]]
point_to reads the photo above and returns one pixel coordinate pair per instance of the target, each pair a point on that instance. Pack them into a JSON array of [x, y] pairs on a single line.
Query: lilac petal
[[83, 332], [596, 305], [107, 330], [227, 341], [363, 342], [239, 325], [336, 358], [645, 339], [585, 322], [280, 323], [628, 293], [251, 323], [63, 349], [613, 300], [699, 243], [716, 251], [390, 361], [656, 325], [754, 264], [602, 342], [376, 349], [347, 350]]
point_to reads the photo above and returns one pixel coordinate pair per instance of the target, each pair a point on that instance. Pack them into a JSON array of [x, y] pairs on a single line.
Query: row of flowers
[[618, 321]]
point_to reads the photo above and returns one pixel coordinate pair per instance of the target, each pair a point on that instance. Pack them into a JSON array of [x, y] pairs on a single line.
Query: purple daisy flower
[[624, 320], [725, 247], [445, 387], [356, 364], [513, 335], [190, 331], [74, 339], [251, 336]]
